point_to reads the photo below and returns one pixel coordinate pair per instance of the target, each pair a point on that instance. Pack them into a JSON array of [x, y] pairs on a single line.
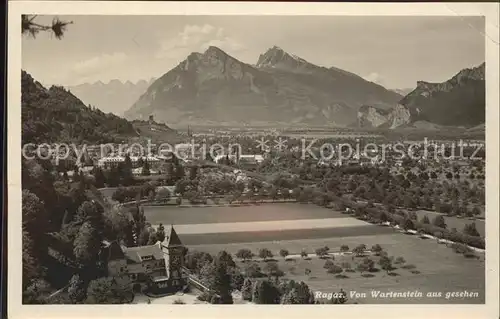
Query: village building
[[245, 160], [110, 161], [156, 267], [137, 160], [114, 161]]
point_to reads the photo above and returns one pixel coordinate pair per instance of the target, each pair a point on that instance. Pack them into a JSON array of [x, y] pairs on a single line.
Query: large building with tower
[[156, 267]]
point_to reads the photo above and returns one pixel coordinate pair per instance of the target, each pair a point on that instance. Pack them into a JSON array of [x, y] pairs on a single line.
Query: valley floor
[[438, 269], [433, 268]]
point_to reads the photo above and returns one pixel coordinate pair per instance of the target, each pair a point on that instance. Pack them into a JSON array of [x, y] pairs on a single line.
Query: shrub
[[244, 254], [321, 252], [425, 220], [400, 261], [284, 253], [253, 270], [205, 296], [470, 254], [265, 253], [214, 300], [344, 248], [347, 266], [470, 229], [460, 248], [328, 264], [377, 249], [335, 269]]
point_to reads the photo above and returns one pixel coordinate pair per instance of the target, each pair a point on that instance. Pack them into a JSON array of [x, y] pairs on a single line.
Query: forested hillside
[[56, 115]]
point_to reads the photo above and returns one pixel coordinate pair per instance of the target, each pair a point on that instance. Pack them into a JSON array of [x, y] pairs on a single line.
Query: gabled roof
[[171, 238], [135, 254]]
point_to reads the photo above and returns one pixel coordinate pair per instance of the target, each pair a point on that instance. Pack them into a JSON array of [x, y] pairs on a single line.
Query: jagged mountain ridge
[[402, 92], [115, 96], [460, 101], [56, 115], [370, 116], [281, 88]]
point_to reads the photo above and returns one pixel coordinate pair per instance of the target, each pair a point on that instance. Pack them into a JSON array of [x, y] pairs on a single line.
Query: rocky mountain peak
[[457, 101], [281, 88], [475, 73], [276, 56], [214, 51]]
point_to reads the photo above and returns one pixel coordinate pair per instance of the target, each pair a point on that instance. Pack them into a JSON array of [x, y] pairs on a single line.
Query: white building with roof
[[110, 161]]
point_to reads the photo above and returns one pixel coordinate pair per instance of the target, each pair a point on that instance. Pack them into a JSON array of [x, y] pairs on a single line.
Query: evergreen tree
[[130, 235], [246, 290], [439, 222], [425, 220], [100, 179], [145, 169], [153, 238], [193, 172], [109, 290], [143, 238], [34, 215], [264, 292], [224, 258], [471, 230], [87, 244], [77, 290], [216, 276], [31, 269], [160, 233]]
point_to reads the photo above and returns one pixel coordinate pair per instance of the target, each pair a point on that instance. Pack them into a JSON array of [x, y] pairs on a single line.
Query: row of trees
[[437, 228], [379, 184]]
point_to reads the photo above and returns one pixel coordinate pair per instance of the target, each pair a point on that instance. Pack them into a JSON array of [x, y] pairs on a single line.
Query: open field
[[260, 212], [218, 228], [454, 222], [441, 270], [264, 222], [281, 235], [298, 227]]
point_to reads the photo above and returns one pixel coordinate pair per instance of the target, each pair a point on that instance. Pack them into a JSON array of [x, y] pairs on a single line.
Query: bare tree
[[30, 27]]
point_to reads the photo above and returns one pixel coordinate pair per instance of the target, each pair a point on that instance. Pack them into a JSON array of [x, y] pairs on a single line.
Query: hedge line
[[374, 214]]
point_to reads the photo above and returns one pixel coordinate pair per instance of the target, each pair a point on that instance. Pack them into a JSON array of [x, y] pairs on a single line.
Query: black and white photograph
[[214, 158]]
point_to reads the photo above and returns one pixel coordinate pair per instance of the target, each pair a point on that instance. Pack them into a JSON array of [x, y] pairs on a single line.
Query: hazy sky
[[393, 51]]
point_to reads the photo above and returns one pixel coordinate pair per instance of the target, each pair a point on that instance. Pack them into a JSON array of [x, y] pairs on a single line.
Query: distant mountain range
[[460, 101], [55, 115], [280, 89], [402, 92], [115, 96]]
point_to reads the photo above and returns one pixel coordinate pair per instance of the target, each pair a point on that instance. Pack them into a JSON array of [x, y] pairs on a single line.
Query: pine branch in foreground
[[30, 27]]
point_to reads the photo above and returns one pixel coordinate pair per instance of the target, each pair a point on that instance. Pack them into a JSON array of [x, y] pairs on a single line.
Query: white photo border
[[15, 308]]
